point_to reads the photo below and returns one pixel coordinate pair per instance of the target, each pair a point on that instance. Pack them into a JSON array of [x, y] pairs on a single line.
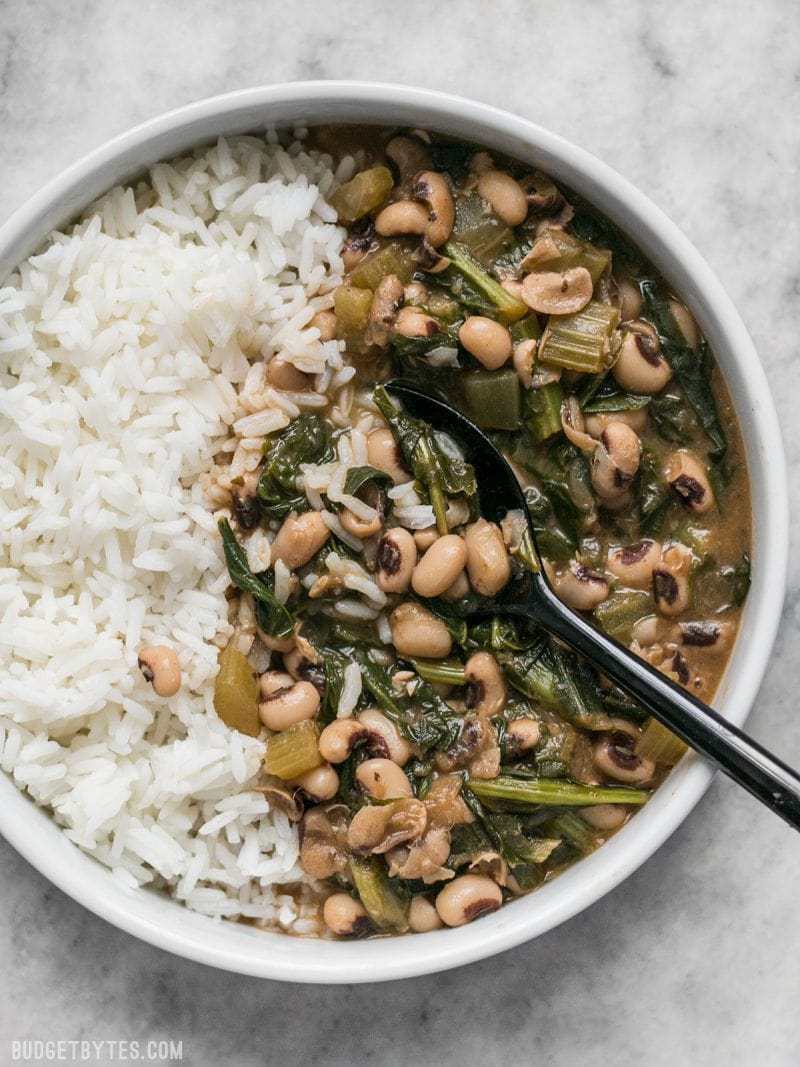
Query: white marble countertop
[[692, 960]]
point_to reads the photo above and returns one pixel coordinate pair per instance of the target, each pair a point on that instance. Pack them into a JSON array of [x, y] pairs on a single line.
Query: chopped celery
[[527, 329], [659, 744], [444, 671], [352, 316], [293, 752], [364, 192], [557, 250], [543, 411], [509, 308], [580, 342], [621, 610], [553, 791], [382, 905], [493, 398], [396, 257], [236, 693]]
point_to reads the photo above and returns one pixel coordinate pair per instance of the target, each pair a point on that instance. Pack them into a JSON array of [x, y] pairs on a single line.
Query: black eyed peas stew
[[438, 769]]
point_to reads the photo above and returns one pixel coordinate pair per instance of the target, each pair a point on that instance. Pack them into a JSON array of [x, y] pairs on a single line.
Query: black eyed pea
[[488, 341], [595, 424], [486, 689], [467, 898], [272, 682], [423, 539], [458, 590], [396, 558], [688, 476], [633, 564], [555, 293], [522, 735], [671, 590], [604, 816], [712, 637], [432, 188], [401, 218], [416, 632], [382, 779], [580, 587], [615, 460], [614, 756], [416, 294], [630, 299], [382, 453], [320, 784], [287, 706], [299, 539], [488, 565], [686, 323], [440, 566], [285, 376], [325, 322], [411, 322], [640, 367], [159, 665], [384, 734], [423, 916], [358, 527], [345, 916], [524, 357], [339, 738], [283, 645], [504, 195]]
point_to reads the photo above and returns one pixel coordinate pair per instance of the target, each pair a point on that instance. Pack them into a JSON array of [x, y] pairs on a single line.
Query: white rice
[[132, 353]]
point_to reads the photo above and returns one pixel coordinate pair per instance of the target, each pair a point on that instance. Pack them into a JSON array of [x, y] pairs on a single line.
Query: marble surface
[[692, 960]]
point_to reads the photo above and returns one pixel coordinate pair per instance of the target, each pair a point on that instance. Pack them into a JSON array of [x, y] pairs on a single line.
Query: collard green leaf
[[358, 478], [654, 496], [438, 470], [305, 440], [272, 616], [690, 368]]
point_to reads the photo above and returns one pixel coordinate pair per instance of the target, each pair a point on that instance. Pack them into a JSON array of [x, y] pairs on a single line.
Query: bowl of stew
[[479, 785]]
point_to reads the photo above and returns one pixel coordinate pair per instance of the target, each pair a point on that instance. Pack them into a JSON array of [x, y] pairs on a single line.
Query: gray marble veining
[[693, 960]]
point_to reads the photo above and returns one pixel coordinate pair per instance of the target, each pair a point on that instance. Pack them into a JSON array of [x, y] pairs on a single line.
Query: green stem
[[554, 792], [445, 672]]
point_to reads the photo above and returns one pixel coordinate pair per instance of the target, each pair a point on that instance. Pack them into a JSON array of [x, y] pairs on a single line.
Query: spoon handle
[[742, 758]]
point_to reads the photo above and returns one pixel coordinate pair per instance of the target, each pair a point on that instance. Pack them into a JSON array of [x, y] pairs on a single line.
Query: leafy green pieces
[[306, 440], [673, 420], [531, 673], [507, 307], [439, 472], [358, 478], [272, 617], [690, 368], [524, 855], [554, 540], [382, 905], [611, 402], [655, 498], [424, 718], [559, 680], [579, 693]]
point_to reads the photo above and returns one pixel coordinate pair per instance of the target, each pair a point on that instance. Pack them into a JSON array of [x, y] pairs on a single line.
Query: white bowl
[[240, 948]]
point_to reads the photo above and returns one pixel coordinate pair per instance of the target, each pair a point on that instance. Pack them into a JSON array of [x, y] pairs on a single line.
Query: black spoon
[[743, 759]]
